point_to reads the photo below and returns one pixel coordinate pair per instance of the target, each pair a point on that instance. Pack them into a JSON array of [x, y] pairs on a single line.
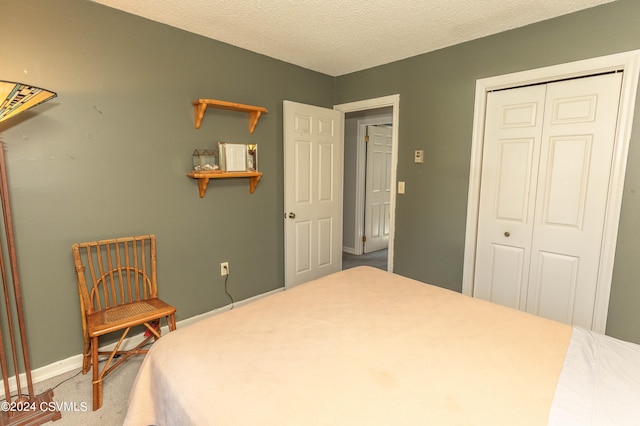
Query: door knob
[[506, 234], [292, 215]]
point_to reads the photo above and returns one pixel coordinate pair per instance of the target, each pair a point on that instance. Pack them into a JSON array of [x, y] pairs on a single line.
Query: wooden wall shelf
[[204, 177], [200, 107]]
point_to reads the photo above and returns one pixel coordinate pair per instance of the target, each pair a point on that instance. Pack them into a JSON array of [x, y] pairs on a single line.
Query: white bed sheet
[[599, 384]]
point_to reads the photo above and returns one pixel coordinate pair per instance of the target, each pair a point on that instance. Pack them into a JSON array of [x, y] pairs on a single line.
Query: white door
[[513, 131], [378, 188], [544, 189], [313, 157]]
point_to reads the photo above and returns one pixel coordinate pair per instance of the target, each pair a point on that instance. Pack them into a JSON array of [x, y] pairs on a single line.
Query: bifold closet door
[[544, 188], [511, 154]]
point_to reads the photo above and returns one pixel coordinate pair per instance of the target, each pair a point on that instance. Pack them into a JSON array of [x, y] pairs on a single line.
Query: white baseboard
[[74, 362], [349, 250]]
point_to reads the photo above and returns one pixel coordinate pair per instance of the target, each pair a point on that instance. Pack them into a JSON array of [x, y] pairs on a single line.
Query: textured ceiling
[[338, 37]]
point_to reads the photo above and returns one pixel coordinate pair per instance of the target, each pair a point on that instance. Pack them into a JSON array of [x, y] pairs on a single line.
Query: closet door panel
[[565, 190], [558, 280], [506, 279], [573, 181]]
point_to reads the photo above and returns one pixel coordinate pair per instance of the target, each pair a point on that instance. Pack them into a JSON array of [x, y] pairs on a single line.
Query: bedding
[[359, 347], [599, 383]]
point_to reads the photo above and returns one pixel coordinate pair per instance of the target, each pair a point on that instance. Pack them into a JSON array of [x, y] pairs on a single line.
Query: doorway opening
[[369, 182]]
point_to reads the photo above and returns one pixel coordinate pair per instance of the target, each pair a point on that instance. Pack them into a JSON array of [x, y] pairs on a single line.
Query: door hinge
[[366, 138], [364, 238]]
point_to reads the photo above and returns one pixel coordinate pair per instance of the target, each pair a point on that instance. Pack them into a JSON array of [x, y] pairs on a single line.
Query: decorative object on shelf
[[252, 157], [233, 157], [205, 160], [200, 107], [14, 352]]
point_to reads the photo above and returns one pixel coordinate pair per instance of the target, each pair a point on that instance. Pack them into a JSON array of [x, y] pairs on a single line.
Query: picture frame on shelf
[[252, 157], [233, 156]]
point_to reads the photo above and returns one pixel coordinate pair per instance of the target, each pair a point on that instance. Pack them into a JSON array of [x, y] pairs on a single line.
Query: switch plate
[[418, 156], [400, 187]]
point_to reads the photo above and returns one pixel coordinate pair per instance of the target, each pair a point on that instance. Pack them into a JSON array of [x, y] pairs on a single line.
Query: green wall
[[436, 114], [109, 156]]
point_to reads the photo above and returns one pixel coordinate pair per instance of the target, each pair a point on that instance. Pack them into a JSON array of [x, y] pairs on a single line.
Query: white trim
[[628, 62], [75, 362], [360, 180], [349, 250], [385, 101]]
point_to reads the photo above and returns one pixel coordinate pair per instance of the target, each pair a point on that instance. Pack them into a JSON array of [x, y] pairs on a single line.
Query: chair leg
[[156, 326], [97, 380], [171, 322], [86, 355], [91, 360]]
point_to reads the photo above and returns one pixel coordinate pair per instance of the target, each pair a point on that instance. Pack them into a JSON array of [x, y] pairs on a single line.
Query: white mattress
[[360, 347], [599, 384]]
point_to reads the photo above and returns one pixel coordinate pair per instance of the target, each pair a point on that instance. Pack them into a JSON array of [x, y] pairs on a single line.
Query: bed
[[367, 347]]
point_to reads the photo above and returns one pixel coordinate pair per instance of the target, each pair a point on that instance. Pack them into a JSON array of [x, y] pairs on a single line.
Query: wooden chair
[[118, 290]]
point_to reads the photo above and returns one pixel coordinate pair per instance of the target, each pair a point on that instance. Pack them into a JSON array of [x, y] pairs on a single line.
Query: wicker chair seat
[[127, 315]]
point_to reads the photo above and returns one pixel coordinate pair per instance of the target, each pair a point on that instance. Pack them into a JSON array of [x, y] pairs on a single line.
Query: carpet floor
[[377, 259], [73, 390]]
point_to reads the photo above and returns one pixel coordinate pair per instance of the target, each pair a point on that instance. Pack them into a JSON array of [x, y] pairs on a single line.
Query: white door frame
[[629, 63], [386, 101]]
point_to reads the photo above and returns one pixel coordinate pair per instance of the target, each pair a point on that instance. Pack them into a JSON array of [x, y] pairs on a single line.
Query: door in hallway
[[378, 187]]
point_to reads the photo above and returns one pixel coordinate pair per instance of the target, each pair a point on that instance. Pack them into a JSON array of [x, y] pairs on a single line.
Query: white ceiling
[[338, 37]]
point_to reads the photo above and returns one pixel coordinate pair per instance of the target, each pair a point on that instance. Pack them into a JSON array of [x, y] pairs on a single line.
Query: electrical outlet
[[224, 269]]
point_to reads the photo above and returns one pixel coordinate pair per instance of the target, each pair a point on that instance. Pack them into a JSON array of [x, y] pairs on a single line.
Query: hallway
[[377, 259]]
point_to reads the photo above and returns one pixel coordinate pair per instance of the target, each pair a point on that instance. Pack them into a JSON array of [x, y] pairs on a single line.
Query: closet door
[[513, 131], [573, 186], [543, 196]]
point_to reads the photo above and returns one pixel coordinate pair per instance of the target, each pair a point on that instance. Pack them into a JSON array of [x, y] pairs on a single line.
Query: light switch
[[418, 156], [400, 187]]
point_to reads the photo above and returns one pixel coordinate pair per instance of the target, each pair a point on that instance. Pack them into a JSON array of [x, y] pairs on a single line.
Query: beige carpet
[[78, 390]]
